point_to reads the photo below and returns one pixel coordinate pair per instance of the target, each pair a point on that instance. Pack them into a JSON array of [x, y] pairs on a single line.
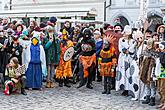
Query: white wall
[[130, 9], [60, 5]]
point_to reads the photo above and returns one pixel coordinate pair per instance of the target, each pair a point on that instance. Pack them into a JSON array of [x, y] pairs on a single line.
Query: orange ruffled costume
[[64, 70], [87, 61], [105, 68]]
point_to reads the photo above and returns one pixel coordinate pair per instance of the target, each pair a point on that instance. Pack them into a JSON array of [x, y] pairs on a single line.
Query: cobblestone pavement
[[70, 99]]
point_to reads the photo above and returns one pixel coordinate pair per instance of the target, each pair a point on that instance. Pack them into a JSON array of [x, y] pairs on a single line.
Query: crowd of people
[[125, 58]]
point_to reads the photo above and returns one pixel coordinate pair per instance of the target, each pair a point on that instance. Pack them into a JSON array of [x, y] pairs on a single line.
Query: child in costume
[[64, 69], [107, 62], [86, 48], [52, 50], [14, 78], [160, 73], [35, 63], [99, 44], [147, 68]]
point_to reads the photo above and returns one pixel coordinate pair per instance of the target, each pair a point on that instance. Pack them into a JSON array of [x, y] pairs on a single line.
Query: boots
[[109, 89], [105, 89], [147, 101], [48, 84], [152, 101], [66, 83], [89, 86], [61, 83], [52, 85], [125, 93], [82, 83], [23, 91]]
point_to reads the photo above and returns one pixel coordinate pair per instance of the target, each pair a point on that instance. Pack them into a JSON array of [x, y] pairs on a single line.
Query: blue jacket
[[99, 45]]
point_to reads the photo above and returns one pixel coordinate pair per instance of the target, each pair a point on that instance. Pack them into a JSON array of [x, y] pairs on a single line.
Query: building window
[[45, 19], [26, 21], [162, 1], [87, 18], [152, 1], [113, 2]]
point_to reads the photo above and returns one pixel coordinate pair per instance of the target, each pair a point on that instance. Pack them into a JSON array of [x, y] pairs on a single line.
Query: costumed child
[[13, 78], [160, 74], [52, 50], [64, 69], [106, 64], [36, 63], [86, 48], [99, 45], [147, 68]]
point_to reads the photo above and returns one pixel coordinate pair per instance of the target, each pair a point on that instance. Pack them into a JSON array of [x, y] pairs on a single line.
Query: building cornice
[[56, 3], [132, 7]]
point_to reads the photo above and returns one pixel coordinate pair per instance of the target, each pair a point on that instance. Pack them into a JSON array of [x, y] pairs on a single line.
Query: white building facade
[[41, 10], [128, 11]]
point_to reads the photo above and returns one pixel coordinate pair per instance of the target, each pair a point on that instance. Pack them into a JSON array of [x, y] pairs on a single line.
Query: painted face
[[117, 28], [34, 41], [105, 44]]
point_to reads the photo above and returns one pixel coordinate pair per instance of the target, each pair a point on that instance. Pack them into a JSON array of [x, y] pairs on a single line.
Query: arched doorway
[[123, 20], [155, 18]]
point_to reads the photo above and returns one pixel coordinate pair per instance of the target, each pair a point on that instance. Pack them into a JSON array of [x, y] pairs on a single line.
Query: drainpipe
[[105, 8], [10, 4]]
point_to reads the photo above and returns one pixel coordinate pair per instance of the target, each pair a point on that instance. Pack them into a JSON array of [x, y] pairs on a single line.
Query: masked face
[[34, 41], [106, 44]]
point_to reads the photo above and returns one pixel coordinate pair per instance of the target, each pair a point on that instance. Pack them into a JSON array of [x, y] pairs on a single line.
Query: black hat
[[52, 19]]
